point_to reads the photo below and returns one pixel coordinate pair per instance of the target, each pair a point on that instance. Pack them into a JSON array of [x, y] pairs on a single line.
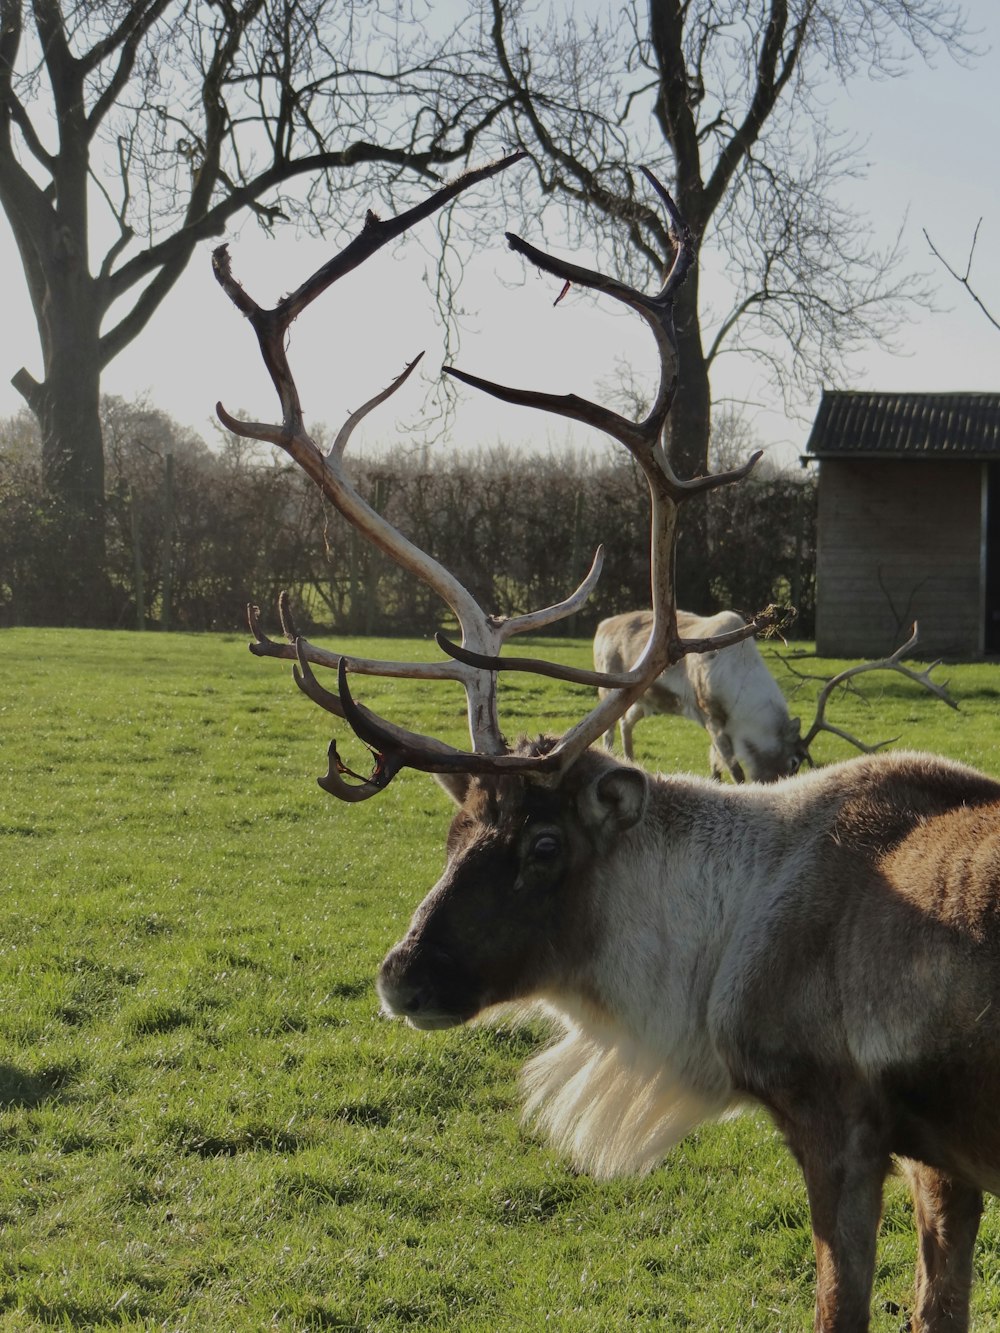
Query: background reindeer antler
[[894, 662], [476, 660]]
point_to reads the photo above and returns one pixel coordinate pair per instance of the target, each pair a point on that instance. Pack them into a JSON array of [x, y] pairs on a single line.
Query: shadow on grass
[[68, 1313], [19, 1087], [254, 1139]]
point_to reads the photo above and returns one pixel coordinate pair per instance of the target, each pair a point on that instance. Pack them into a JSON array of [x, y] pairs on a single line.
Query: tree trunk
[[67, 407], [689, 429], [66, 404]]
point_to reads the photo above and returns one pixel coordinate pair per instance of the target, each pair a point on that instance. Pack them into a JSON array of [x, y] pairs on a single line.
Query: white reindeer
[[827, 947], [728, 691]]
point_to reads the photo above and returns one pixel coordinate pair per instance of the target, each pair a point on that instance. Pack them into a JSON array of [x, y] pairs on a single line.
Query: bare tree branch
[[965, 279]]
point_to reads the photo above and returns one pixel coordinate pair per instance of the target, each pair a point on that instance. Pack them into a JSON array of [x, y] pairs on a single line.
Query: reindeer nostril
[[416, 983], [400, 994]]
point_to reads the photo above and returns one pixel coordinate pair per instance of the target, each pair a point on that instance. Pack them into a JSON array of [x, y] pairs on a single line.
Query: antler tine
[[536, 665], [271, 325], [608, 680], [287, 619], [305, 679], [393, 747], [548, 615], [921, 677], [262, 646], [298, 648], [863, 746], [347, 429], [333, 782], [410, 749], [891, 663], [640, 438]]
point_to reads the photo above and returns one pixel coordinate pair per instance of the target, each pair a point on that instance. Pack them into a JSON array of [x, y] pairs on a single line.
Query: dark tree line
[[195, 533]]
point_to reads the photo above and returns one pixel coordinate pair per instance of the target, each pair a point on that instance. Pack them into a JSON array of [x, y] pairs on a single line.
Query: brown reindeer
[[827, 947]]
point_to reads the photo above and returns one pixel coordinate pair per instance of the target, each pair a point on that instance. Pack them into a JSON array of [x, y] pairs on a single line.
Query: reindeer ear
[[456, 785], [615, 800]]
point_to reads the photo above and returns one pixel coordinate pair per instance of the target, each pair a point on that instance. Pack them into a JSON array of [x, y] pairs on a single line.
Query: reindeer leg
[[627, 725], [844, 1162], [947, 1214], [722, 756], [609, 735]]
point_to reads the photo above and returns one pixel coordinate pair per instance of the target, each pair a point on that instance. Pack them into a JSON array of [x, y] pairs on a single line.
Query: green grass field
[[204, 1121]]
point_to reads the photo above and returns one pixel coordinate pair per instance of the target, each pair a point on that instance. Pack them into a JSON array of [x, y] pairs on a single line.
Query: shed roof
[[906, 425]]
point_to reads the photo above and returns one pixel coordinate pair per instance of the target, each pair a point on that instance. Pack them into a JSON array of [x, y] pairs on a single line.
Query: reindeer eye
[[546, 847]]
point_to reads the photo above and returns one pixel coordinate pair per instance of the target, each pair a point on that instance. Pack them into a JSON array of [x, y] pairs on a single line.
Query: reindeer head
[[790, 752], [514, 911]]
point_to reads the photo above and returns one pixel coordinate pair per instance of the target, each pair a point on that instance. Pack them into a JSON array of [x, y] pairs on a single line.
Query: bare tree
[[720, 97], [131, 131]]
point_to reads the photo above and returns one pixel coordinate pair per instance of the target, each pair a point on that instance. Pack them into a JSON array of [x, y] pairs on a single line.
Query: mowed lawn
[[205, 1122]]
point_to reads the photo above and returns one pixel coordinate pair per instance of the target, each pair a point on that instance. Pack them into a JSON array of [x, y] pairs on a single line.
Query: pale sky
[[933, 142]]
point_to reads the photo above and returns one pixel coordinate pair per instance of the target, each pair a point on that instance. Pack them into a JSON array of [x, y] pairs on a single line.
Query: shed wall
[[898, 541]]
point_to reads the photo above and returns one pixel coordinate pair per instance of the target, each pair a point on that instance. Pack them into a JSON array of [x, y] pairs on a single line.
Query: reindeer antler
[[477, 659], [894, 662], [327, 472]]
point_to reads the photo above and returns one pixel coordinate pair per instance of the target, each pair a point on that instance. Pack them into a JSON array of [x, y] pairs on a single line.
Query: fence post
[[168, 541], [140, 580]]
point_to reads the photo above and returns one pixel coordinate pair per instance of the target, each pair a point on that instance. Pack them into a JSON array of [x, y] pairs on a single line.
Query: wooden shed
[[909, 522]]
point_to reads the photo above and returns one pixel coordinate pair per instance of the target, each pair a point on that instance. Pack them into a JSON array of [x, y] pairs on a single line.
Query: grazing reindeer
[[827, 947], [729, 692]]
